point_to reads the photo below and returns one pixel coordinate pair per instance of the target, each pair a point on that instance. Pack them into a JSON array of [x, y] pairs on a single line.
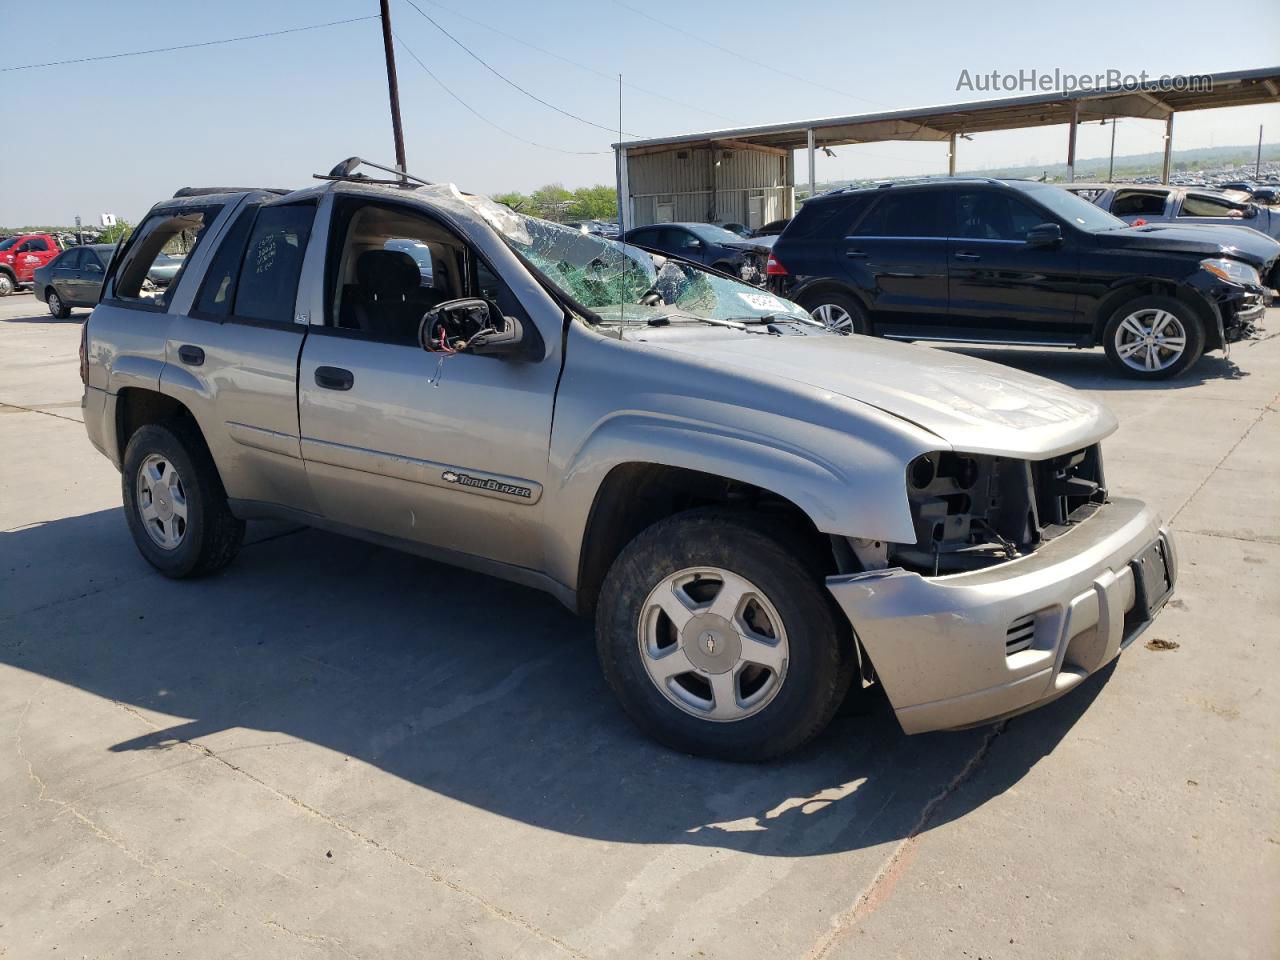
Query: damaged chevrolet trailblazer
[[758, 513]]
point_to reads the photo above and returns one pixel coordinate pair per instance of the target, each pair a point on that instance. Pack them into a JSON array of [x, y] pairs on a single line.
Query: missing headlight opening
[[971, 510]]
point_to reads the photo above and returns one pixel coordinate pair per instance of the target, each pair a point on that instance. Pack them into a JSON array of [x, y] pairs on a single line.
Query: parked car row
[[709, 245], [73, 278]]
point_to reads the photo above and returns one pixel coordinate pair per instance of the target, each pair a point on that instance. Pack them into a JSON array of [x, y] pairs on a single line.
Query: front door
[[1003, 288], [444, 449]]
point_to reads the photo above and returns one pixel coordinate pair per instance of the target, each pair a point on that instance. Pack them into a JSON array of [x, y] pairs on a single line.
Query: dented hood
[[973, 405]]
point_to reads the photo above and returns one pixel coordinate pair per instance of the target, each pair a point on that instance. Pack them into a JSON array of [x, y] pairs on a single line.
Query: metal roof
[[1234, 89]]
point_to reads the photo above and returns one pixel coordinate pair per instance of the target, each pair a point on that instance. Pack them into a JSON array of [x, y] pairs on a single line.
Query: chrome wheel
[[834, 317], [1150, 340], [713, 644], [6, 285], [162, 502]]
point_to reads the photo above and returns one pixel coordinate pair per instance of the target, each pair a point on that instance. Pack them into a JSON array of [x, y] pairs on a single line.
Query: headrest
[[388, 273]]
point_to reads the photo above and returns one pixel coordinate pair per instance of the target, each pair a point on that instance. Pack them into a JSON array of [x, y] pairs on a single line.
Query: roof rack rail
[[207, 191]]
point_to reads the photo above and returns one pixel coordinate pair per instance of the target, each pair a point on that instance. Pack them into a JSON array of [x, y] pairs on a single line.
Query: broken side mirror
[[475, 326], [1044, 235]]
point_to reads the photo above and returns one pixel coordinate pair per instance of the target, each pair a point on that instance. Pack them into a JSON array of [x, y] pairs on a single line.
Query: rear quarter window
[[175, 230]]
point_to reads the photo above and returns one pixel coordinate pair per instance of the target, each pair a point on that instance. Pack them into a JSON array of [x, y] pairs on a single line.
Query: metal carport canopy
[[1150, 100], [1158, 99]]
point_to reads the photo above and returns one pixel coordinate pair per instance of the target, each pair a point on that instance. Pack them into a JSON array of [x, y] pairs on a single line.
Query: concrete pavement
[[334, 750]]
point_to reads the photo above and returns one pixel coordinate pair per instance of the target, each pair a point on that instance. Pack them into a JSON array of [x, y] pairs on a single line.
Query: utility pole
[[393, 86], [1257, 164], [1111, 167]]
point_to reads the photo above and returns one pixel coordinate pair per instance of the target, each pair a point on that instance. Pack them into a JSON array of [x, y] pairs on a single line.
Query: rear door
[[1206, 208], [896, 253], [1001, 287], [232, 355]]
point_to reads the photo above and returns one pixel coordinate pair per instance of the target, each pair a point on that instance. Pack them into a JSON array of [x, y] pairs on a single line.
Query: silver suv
[[760, 515]]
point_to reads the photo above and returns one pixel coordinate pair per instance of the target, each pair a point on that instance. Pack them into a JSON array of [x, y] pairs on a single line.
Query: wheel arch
[[637, 494], [136, 407], [1154, 286]]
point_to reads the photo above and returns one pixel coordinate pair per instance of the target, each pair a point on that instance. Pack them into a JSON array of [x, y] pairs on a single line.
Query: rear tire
[[1153, 338], [776, 696], [838, 312], [58, 309], [177, 511]]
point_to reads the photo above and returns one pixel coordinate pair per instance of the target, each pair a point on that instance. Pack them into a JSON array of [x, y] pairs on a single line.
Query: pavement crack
[[15, 406], [311, 938], [1218, 466], [492, 909], [882, 884]]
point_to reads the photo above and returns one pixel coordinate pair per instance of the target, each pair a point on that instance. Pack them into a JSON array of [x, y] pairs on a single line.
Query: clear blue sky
[[120, 134]]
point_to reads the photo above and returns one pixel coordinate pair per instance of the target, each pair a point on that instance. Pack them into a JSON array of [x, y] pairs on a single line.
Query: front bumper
[[952, 651]]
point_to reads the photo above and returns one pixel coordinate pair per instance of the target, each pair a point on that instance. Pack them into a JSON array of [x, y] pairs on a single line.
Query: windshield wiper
[[665, 321], [776, 318]]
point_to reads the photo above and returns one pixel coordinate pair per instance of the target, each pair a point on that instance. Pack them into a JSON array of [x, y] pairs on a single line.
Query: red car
[[20, 256]]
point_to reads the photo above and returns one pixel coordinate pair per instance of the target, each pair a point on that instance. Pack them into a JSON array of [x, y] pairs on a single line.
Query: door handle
[[967, 256], [191, 356], [855, 254], [334, 378]]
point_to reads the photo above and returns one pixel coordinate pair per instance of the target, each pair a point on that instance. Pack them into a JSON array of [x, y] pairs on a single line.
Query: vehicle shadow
[[476, 689], [1090, 369]]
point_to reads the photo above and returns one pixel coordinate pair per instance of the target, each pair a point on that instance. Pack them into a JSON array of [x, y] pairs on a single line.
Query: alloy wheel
[[834, 317], [1150, 340], [713, 644], [6, 285], [55, 303], [162, 502]]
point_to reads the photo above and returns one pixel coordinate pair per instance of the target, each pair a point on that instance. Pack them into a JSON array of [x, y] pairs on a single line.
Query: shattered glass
[[612, 278]]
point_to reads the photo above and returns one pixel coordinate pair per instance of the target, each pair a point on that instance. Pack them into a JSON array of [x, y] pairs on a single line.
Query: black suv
[[1000, 261]]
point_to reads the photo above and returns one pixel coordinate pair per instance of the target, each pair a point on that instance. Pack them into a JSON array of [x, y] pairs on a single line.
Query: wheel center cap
[[163, 502], [711, 643]]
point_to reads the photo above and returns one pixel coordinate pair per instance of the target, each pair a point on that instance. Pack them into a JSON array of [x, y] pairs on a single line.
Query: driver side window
[[389, 266]]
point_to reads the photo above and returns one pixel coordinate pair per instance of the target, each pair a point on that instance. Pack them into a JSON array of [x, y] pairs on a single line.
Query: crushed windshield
[[619, 282]]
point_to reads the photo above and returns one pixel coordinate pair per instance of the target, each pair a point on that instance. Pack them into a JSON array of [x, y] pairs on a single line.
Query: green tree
[[594, 203], [515, 200], [550, 201], [122, 228]]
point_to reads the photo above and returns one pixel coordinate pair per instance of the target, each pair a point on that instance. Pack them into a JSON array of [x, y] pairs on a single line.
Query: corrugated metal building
[[721, 184]]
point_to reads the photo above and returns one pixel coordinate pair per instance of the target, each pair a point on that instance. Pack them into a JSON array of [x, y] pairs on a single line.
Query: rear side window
[[272, 262], [254, 273], [828, 218], [1128, 203], [69, 260], [1202, 206], [908, 214], [177, 230]]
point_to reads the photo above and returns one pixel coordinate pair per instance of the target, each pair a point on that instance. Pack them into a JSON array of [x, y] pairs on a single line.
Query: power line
[[511, 83], [186, 46], [515, 136], [743, 56], [574, 63]]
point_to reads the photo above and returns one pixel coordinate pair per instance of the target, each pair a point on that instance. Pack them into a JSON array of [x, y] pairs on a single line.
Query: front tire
[[838, 312], [7, 286], [175, 504], [57, 309], [719, 640], [1153, 338]]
